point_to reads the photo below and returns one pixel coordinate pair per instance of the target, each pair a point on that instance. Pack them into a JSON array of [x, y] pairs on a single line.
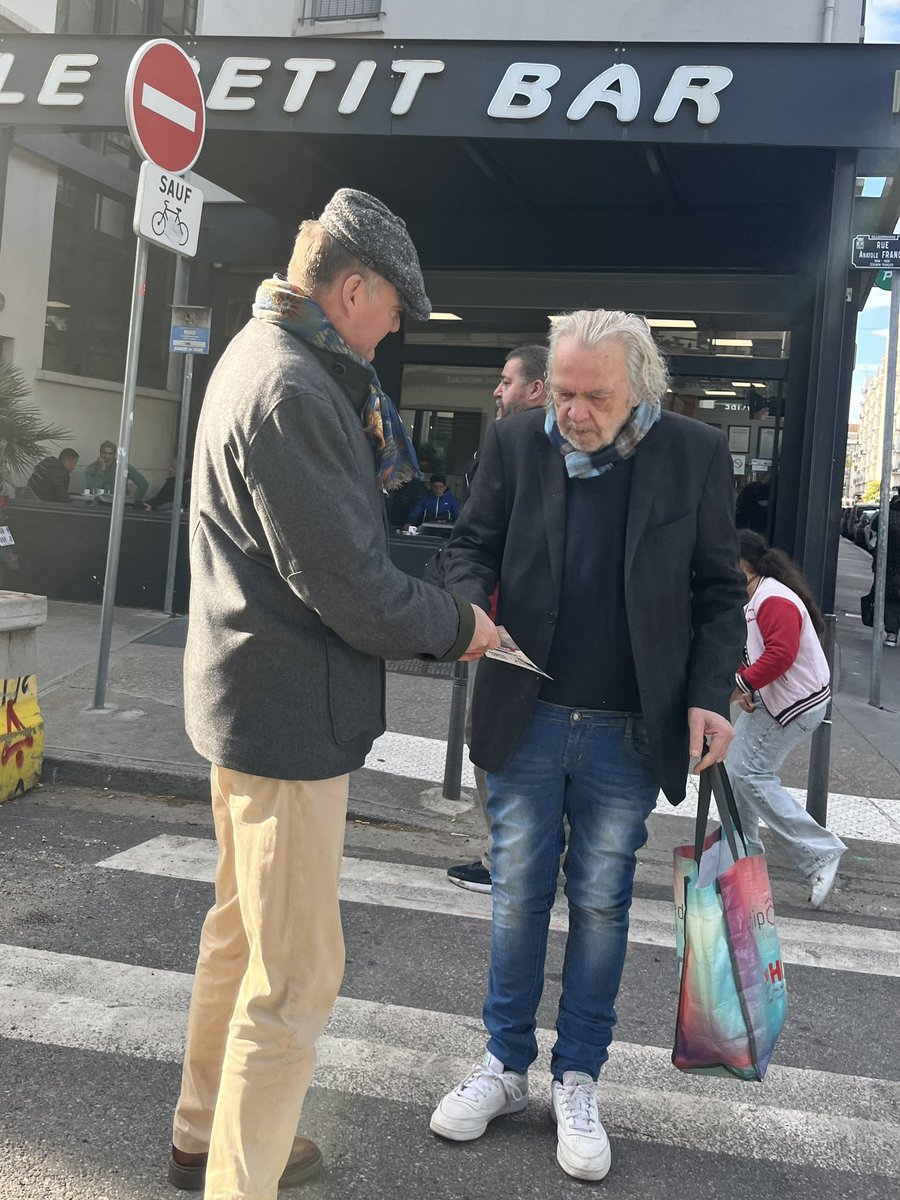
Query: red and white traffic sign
[[164, 106]]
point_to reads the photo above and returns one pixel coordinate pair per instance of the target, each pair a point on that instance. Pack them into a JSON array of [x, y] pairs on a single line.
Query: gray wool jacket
[[294, 601]]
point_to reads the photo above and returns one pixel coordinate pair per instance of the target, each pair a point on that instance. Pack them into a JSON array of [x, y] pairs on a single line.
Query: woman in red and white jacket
[[783, 688]]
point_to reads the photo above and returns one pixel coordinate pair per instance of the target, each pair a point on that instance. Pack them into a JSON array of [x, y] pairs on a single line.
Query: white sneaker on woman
[[582, 1145], [488, 1091], [823, 881]]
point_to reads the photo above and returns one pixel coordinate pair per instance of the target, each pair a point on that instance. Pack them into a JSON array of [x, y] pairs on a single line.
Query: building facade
[[603, 167], [868, 453]]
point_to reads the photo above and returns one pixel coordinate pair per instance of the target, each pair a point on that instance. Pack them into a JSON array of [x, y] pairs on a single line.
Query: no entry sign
[[164, 106]]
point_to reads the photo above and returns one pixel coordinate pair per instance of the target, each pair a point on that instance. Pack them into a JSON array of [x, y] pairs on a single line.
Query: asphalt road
[[102, 900]]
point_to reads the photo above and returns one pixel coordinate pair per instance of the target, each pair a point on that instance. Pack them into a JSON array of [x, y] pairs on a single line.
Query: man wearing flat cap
[[294, 607]]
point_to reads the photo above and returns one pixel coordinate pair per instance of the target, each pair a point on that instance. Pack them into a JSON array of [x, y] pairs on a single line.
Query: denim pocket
[[637, 742], [809, 722]]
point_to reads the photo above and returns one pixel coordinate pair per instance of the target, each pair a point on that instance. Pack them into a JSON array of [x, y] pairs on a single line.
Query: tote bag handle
[[714, 781]]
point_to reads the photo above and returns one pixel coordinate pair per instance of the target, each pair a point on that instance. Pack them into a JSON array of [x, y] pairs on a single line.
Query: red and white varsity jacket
[[785, 662]]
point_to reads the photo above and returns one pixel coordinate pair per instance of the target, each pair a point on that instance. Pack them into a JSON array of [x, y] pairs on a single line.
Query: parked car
[[856, 513], [862, 522]]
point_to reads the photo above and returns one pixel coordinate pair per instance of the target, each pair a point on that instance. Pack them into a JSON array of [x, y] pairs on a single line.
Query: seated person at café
[[437, 505], [100, 476], [50, 478], [165, 497]]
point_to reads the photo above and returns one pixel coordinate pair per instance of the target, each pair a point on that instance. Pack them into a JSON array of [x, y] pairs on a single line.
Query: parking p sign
[[190, 329]]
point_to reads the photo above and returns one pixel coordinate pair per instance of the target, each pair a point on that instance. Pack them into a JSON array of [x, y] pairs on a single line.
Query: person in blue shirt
[[438, 505]]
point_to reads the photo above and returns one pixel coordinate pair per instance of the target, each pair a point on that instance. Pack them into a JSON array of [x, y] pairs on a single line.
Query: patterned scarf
[[582, 465], [283, 305]]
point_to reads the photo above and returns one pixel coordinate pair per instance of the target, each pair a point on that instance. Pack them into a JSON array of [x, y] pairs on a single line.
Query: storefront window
[[89, 294], [746, 411], [447, 411]]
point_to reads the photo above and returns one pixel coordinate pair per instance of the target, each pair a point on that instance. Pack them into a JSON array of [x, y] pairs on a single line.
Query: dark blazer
[[684, 591]]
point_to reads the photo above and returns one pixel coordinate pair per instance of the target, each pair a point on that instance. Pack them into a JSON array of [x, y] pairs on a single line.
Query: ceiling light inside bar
[[730, 342], [667, 323], [714, 392], [733, 384], [447, 316]]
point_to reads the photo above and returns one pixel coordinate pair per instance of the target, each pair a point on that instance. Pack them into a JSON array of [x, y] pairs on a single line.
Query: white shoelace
[[482, 1080], [579, 1102]]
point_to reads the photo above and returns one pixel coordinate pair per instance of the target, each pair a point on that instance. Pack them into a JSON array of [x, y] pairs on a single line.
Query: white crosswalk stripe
[[800, 1117], [807, 943], [408, 755]]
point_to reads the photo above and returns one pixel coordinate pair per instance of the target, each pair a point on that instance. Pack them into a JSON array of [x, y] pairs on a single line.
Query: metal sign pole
[[118, 504], [179, 482], [887, 462]]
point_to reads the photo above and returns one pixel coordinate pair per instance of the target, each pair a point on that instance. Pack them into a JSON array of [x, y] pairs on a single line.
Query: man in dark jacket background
[[609, 527], [294, 606], [50, 479]]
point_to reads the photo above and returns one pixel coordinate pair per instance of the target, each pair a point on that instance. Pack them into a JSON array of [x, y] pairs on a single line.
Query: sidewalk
[[139, 744]]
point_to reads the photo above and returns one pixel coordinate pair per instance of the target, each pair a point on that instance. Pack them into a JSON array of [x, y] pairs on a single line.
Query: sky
[[882, 25], [883, 21]]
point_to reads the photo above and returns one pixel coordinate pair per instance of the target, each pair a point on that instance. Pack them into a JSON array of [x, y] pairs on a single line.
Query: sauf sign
[[525, 91]]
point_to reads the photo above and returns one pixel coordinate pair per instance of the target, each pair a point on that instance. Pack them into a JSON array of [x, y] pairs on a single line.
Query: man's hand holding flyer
[[509, 652]]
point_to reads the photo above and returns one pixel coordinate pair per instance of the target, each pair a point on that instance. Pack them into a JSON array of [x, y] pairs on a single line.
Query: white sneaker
[[823, 881], [488, 1092], [582, 1145]]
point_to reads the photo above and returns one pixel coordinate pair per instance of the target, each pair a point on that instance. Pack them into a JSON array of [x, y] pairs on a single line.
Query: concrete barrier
[[21, 723]]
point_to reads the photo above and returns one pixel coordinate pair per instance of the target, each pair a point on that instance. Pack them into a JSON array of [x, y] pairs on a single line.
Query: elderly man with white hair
[[608, 525]]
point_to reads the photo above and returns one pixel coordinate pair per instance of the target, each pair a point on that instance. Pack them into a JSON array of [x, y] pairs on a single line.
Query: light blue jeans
[[754, 759], [594, 769]]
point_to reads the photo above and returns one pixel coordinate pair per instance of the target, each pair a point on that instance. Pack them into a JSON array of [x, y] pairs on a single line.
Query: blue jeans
[[754, 759], [592, 768]]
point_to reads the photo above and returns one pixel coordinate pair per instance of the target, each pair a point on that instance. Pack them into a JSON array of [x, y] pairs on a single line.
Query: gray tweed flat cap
[[371, 232]]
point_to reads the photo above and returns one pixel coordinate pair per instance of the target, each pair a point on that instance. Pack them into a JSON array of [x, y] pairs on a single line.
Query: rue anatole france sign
[[876, 252]]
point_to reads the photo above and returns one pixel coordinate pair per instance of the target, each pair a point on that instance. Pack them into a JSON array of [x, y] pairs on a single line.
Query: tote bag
[[732, 1000]]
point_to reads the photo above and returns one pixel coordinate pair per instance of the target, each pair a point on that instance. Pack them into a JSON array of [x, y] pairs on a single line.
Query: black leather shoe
[[188, 1171]]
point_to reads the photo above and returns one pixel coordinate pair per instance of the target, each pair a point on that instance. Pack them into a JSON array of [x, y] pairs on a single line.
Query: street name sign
[[876, 251], [164, 106]]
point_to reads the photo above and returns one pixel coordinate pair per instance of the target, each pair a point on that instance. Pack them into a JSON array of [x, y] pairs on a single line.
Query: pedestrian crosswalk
[[837, 947], [390, 1052], [382, 1050]]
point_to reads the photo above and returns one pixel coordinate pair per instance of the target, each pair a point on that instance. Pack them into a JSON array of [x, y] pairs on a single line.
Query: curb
[[147, 779], [378, 799]]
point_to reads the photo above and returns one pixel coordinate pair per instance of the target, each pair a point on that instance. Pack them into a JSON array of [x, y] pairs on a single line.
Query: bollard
[[456, 732], [820, 753], [22, 739]]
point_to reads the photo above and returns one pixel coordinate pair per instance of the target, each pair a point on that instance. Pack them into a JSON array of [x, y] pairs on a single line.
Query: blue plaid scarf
[[277, 301], [582, 465]]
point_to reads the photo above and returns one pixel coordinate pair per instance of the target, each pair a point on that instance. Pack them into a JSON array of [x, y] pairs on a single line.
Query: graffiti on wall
[[21, 736]]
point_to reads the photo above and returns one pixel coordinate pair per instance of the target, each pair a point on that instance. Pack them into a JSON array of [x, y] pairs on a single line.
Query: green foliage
[[872, 492], [24, 436]]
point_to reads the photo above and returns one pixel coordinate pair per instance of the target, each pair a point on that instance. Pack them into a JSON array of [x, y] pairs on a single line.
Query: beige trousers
[[270, 965]]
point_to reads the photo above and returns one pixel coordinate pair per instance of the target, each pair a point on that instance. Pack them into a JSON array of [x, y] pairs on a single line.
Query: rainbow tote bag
[[732, 1000]]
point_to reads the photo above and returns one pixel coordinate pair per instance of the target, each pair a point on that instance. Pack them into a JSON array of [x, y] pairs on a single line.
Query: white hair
[[646, 366]]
